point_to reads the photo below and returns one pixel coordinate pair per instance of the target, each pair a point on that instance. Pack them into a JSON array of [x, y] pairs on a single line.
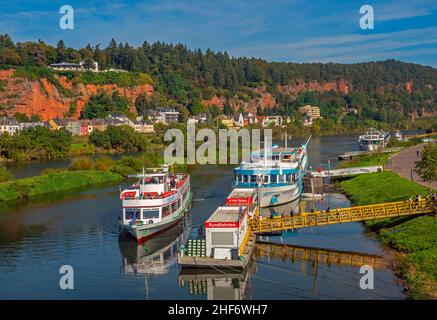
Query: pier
[[346, 171], [350, 155]]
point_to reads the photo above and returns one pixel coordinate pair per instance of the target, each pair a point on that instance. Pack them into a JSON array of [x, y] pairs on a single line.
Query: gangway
[[260, 224]]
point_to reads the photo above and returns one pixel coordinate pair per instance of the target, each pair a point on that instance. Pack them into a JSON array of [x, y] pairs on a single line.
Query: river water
[[80, 229]]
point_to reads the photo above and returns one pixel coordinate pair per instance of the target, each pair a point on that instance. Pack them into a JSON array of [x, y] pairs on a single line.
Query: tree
[[21, 117], [426, 168], [88, 64], [102, 105], [228, 110], [184, 114], [35, 118], [5, 174], [197, 107]]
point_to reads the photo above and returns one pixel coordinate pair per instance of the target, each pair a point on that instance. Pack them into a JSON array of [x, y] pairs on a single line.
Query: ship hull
[[274, 196], [145, 232], [370, 147]]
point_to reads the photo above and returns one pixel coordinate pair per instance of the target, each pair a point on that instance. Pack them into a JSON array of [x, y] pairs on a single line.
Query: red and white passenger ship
[[155, 203]]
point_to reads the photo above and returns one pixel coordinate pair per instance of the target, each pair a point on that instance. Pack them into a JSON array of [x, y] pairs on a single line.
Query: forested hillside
[[386, 91]]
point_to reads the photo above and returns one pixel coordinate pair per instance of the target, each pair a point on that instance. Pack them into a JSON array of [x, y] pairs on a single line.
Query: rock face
[[338, 86], [264, 99], [261, 98], [44, 99]]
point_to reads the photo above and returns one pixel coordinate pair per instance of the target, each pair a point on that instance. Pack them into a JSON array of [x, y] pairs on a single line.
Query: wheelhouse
[[150, 215], [279, 167]]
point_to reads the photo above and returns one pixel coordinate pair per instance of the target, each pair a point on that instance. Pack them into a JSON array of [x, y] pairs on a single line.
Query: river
[[80, 229]]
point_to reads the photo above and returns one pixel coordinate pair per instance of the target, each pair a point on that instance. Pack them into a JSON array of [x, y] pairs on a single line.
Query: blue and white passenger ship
[[277, 172]]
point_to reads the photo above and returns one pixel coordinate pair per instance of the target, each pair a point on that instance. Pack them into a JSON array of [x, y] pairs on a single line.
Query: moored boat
[[373, 140], [154, 203], [277, 174]]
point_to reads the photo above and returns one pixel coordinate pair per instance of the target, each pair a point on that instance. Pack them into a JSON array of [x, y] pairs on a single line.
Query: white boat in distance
[[373, 140], [155, 203]]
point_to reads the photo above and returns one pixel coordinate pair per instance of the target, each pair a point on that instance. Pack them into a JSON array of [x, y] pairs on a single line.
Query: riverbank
[[414, 237], [366, 160], [54, 182]]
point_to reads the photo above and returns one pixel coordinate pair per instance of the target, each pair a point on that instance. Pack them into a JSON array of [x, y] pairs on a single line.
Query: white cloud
[[348, 47]]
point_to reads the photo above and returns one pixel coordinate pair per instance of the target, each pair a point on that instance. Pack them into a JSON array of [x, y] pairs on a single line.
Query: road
[[403, 163]]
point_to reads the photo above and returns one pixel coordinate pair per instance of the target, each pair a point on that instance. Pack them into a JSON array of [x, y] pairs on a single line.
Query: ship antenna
[[308, 141], [286, 138]]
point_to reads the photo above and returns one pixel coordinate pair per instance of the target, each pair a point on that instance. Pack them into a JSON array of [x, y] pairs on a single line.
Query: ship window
[[253, 178], [153, 180], [150, 214], [130, 213], [222, 238], [245, 178], [266, 179], [273, 178], [166, 211], [174, 206]]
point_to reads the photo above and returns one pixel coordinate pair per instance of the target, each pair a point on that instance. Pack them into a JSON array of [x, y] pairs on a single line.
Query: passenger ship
[[277, 173], [373, 140], [155, 203]]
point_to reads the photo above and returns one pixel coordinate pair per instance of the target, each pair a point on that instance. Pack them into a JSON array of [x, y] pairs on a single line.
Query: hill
[[390, 92]]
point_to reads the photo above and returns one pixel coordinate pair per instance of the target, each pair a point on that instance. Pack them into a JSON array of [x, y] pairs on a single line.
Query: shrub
[[5, 174], [104, 164], [82, 164], [50, 171]]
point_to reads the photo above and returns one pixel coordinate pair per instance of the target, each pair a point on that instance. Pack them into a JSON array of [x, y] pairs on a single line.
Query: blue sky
[[276, 30]]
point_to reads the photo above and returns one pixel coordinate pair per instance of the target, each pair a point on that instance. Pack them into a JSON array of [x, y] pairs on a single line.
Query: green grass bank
[[414, 237], [366, 160], [54, 182]]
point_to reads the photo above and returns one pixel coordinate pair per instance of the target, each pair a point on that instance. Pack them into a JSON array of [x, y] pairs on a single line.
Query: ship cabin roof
[[227, 214]]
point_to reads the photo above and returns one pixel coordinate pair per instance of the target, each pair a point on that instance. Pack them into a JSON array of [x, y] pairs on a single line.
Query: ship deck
[[207, 262]]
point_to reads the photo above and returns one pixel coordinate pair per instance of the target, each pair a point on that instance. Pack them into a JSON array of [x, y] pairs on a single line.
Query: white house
[[9, 125]]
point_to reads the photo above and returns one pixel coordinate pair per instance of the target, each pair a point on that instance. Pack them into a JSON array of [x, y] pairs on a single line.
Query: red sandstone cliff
[[44, 99], [338, 86], [264, 99]]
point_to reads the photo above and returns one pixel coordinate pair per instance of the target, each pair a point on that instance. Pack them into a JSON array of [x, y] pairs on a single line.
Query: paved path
[[403, 163]]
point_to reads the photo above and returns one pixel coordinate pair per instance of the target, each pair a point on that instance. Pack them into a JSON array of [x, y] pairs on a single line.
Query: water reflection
[[215, 284], [284, 209], [299, 272], [81, 229], [154, 257]]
